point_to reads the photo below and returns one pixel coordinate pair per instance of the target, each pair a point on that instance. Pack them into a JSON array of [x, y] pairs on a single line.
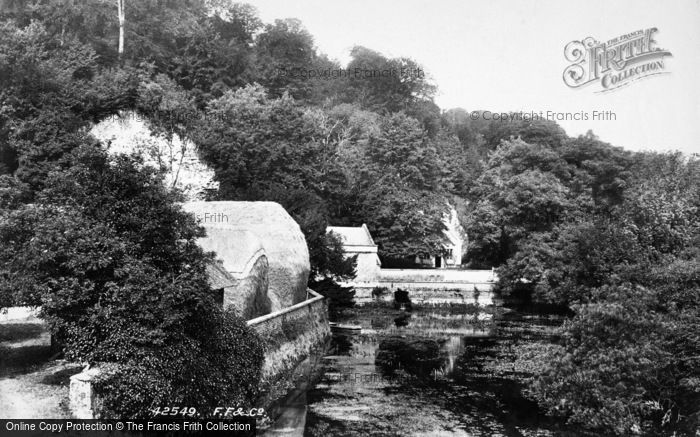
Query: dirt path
[[28, 397], [31, 385]]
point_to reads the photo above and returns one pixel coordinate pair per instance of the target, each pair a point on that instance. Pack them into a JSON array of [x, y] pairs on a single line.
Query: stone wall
[[290, 336], [437, 275], [431, 286], [84, 403], [429, 294]]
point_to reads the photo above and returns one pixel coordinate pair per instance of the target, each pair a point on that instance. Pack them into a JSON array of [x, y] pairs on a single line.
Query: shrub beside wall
[[223, 372]]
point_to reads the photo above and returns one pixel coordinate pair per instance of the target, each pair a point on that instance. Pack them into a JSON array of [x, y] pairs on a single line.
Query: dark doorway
[[438, 261]]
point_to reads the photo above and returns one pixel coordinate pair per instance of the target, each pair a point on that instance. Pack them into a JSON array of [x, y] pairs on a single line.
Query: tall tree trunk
[[120, 6]]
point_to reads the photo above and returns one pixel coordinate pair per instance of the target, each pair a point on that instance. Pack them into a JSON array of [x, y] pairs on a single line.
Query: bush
[[223, 370], [113, 262], [618, 366], [401, 299], [339, 297], [378, 292]]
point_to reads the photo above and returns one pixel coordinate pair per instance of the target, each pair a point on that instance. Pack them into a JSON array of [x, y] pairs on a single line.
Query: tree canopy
[[100, 243]]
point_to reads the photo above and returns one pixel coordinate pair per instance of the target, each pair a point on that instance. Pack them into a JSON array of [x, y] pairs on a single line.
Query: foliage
[[192, 374], [401, 296], [284, 51], [604, 377], [114, 264], [326, 254], [378, 292], [102, 246], [402, 300], [339, 297], [252, 142], [518, 193], [269, 149], [628, 267], [405, 88], [39, 93], [402, 153]]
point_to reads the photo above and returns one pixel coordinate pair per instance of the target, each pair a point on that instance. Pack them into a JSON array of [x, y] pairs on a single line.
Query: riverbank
[[448, 370]]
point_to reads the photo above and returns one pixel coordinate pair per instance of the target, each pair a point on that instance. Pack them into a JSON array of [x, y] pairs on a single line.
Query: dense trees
[[604, 232], [174, 73], [42, 93], [285, 50], [113, 263], [100, 244], [259, 146]]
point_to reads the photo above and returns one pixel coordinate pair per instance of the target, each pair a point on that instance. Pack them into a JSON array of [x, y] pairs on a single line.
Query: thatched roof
[[275, 230], [218, 276], [238, 249]]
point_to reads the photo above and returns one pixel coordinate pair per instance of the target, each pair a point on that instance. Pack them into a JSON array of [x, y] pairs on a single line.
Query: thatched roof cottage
[[261, 247], [241, 272]]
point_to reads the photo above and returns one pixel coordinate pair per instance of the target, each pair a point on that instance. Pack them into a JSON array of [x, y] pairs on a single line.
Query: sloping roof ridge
[[350, 235], [245, 269], [364, 226], [451, 236], [217, 275]]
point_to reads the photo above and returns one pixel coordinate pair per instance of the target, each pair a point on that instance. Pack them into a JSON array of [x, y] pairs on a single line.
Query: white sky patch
[[509, 56]]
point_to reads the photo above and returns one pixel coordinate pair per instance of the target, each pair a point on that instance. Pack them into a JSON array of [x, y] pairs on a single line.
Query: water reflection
[[421, 370], [418, 357], [402, 320], [341, 344], [452, 348]]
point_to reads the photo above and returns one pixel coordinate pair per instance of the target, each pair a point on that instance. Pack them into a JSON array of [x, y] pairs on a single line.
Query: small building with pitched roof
[[357, 241]]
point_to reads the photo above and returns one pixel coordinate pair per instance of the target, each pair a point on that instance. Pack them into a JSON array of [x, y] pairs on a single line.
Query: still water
[[435, 370]]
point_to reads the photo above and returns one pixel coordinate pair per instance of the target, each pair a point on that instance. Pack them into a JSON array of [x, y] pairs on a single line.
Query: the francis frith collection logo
[[614, 63]]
